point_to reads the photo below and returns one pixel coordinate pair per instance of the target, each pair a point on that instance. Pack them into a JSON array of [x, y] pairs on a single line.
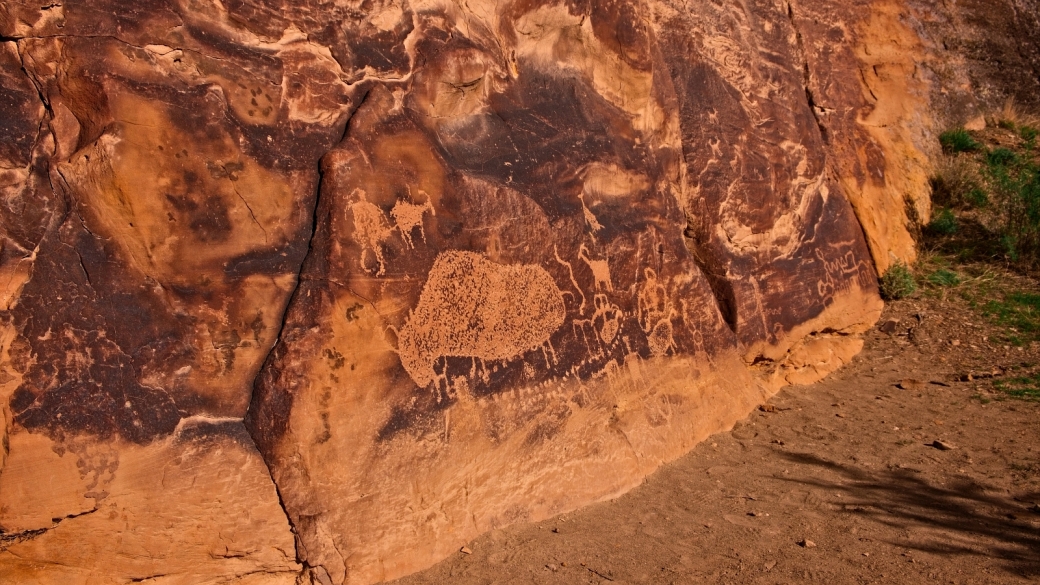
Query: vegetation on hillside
[[983, 240]]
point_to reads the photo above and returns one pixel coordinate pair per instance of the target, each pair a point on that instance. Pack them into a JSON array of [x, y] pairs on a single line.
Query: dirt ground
[[839, 482]]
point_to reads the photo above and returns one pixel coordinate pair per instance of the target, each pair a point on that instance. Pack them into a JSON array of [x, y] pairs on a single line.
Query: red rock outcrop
[[326, 289]]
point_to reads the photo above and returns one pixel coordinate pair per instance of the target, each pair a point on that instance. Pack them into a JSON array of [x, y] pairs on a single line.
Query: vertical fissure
[[807, 75], [249, 420]]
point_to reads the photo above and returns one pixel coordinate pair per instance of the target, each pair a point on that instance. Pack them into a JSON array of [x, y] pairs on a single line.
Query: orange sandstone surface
[[315, 292]]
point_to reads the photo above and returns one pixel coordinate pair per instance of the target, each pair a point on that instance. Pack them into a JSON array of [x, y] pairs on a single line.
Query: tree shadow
[[995, 527], [972, 242]]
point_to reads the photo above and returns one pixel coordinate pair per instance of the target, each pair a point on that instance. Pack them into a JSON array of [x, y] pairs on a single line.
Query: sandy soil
[[838, 482]]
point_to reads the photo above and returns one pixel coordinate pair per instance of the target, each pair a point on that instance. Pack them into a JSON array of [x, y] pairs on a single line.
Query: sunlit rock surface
[[323, 290]]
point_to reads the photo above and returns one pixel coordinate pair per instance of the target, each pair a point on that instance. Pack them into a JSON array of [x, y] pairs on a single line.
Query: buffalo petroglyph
[[471, 307]]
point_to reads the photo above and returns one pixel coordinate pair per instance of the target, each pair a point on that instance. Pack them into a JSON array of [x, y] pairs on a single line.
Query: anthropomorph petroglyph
[[371, 229], [472, 307], [574, 282], [653, 301], [656, 314]]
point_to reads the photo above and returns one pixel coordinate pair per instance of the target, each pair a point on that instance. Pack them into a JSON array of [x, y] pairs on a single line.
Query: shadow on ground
[[962, 518]]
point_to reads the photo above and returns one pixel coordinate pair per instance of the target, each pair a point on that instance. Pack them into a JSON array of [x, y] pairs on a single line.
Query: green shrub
[[958, 140], [1017, 191], [1007, 124], [977, 197], [1001, 157], [1019, 312], [1005, 181], [898, 282], [1021, 388], [944, 277], [943, 223], [1029, 134], [1010, 244]]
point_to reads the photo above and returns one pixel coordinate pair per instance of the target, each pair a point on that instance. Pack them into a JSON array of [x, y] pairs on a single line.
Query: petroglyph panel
[[452, 265], [520, 270]]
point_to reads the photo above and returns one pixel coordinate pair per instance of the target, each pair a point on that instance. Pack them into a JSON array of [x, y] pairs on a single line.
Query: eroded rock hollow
[[322, 290]]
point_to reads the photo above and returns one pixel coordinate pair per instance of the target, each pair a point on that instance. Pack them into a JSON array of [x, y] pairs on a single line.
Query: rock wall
[[322, 290]]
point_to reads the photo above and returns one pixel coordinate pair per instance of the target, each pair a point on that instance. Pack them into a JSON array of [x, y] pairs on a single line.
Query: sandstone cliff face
[[329, 288]]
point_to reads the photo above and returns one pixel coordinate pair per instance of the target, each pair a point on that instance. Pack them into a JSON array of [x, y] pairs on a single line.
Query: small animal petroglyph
[[372, 227], [590, 218], [600, 269], [409, 216]]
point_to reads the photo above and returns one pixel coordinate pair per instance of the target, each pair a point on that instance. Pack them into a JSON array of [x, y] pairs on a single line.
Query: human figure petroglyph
[[586, 329], [619, 382], [716, 150], [574, 282], [653, 301], [478, 370], [655, 314], [441, 382], [689, 316], [371, 229], [600, 269], [549, 353], [409, 216]]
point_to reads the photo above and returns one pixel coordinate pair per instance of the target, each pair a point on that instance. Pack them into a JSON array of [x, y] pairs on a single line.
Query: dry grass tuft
[[957, 183], [1011, 115]]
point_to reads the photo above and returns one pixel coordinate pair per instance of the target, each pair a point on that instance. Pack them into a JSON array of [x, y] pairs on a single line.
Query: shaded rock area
[[324, 289]]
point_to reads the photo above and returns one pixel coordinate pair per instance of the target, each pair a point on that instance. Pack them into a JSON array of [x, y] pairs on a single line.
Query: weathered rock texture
[[325, 289]]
